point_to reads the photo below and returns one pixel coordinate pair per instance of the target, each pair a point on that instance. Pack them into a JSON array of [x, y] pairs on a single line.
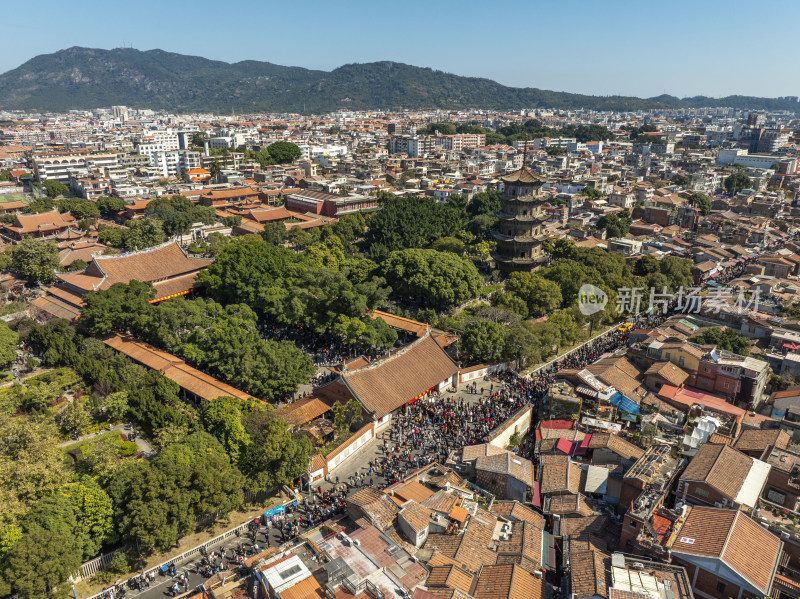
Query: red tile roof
[[175, 369], [686, 398], [721, 467], [385, 385], [733, 538], [158, 264], [25, 224], [413, 326], [508, 581], [557, 424], [303, 410]]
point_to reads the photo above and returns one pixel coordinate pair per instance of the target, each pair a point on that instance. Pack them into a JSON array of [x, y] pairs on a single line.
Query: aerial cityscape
[[473, 329]]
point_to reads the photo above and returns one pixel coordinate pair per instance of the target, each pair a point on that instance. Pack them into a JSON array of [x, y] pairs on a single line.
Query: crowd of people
[[324, 349], [438, 424], [435, 426]]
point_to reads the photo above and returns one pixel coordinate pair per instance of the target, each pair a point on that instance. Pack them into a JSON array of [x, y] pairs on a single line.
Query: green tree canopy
[[724, 338], [108, 205], [78, 207], [450, 244], [94, 513], [326, 300], [114, 406], [123, 308], [112, 236], [435, 278], [205, 333], [678, 271], [560, 248], [157, 501], [615, 225], [40, 205], [54, 188], [245, 269], [592, 193], [701, 201], [30, 465], [152, 399], [540, 295], [533, 129], [413, 223], [143, 233], [222, 417], [483, 341], [646, 265], [442, 128], [177, 214], [40, 563], [347, 416], [274, 233], [283, 152], [275, 456], [8, 346], [487, 202], [737, 182], [35, 261]]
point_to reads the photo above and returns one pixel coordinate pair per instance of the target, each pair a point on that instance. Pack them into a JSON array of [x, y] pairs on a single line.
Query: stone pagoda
[[519, 230]]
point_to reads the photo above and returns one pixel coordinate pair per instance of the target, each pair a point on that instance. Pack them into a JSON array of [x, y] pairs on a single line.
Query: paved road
[[163, 584]]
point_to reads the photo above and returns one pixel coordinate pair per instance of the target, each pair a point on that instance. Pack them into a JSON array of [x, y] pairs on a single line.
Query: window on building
[[701, 492], [721, 586]]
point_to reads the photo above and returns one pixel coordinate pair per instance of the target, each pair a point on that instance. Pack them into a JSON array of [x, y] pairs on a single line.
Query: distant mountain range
[[84, 78]]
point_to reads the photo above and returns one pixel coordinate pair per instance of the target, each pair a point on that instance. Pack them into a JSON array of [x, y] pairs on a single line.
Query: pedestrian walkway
[[359, 464], [146, 449]]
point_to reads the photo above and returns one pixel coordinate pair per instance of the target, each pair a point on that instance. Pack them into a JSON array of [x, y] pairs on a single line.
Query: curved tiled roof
[[155, 265], [385, 385], [523, 175], [175, 369], [43, 221]]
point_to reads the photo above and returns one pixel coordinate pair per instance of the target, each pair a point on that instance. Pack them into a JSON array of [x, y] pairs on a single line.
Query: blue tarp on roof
[[624, 404]]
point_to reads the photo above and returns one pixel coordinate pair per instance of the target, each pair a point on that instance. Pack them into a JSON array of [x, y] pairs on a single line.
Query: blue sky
[[635, 47]]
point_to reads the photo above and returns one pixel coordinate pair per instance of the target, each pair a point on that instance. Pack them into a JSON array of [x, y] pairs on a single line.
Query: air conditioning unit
[[784, 534]]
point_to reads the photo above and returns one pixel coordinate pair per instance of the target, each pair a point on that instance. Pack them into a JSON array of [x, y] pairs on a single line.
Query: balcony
[[519, 261], [521, 218], [520, 238]]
